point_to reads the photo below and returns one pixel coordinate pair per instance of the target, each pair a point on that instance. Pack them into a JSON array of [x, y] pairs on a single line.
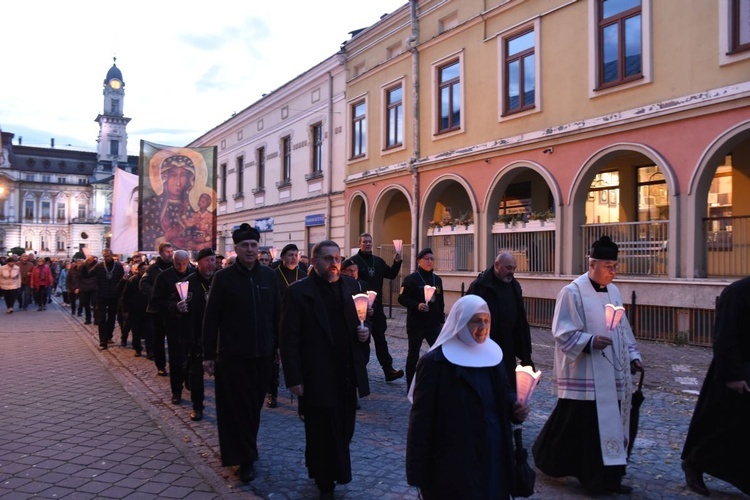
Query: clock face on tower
[[115, 83]]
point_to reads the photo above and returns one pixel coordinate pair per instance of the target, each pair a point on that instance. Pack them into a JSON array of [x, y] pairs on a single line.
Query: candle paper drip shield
[[398, 245], [429, 291], [371, 297], [360, 302], [274, 252], [613, 315], [182, 289]]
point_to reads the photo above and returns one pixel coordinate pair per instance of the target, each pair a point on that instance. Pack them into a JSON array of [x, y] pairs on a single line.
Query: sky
[[187, 65]]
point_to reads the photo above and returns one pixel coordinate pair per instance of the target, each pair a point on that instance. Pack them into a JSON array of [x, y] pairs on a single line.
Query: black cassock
[[718, 439]]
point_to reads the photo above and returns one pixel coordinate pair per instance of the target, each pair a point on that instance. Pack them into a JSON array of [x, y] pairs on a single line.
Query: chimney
[[52, 142], [20, 140]]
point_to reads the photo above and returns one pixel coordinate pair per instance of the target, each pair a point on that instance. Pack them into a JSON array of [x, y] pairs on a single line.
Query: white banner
[[125, 213]]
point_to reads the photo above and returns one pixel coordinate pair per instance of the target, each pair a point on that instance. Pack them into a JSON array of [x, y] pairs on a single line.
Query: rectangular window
[[60, 245], [286, 146], [29, 177], [81, 211], [520, 72], [46, 178], [61, 210], [317, 152], [240, 176], [359, 129], [46, 207], [61, 180], [43, 243], [82, 181], [394, 117], [28, 209], [114, 147], [740, 15], [449, 97], [261, 161], [223, 175], [653, 201], [115, 107], [619, 42]]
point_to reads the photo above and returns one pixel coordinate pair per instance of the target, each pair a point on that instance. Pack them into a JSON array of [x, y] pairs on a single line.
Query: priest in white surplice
[[586, 435]]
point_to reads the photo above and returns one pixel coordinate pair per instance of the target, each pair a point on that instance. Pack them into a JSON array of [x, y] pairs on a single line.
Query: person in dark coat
[[373, 270], [106, 275], [718, 439], [155, 322], [73, 284], [424, 320], [459, 440], [324, 364], [240, 333], [191, 313], [164, 298], [510, 328], [134, 305], [288, 270]]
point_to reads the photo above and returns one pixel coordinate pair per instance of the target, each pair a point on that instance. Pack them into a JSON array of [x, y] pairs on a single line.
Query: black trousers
[[379, 326], [416, 336], [194, 376], [106, 311], [240, 390], [41, 296], [10, 298], [85, 303], [137, 324], [159, 335], [72, 298], [177, 356]]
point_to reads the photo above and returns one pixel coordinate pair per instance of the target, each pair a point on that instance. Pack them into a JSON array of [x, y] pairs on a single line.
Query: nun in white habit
[[459, 440]]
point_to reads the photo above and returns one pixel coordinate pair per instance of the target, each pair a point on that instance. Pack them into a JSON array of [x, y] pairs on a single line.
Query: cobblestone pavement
[[84, 423]]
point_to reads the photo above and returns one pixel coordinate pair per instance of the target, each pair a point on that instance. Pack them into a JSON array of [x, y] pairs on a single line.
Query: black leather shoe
[[196, 415], [246, 473], [619, 489], [162, 372], [694, 479], [391, 374], [176, 399]]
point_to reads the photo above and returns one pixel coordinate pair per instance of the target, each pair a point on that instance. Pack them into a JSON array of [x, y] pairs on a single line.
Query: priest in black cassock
[[718, 439], [240, 333], [324, 364]]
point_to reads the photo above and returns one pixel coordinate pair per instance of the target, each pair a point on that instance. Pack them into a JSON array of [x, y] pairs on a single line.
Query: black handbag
[[524, 476]]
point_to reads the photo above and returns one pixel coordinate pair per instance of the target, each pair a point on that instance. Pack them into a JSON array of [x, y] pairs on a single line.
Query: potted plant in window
[[542, 217]]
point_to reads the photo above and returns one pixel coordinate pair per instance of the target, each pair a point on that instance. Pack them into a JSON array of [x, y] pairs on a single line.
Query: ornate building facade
[[57, 201]]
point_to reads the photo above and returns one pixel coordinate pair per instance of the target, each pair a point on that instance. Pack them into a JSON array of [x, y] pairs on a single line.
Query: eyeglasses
[[330, 258], [612, 268]]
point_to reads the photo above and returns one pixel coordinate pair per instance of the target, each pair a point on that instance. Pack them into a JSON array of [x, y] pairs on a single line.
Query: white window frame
[[349, 129]]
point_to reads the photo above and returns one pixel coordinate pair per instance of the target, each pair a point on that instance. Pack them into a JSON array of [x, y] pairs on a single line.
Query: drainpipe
[[330, 155], [413, 41]]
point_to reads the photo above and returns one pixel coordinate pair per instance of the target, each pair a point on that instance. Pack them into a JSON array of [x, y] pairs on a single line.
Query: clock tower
[[112, 148]]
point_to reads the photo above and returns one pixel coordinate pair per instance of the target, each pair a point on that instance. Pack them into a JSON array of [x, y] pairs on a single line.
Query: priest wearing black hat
[[424, 319], [240, 336], [586, 436], [190, 314]]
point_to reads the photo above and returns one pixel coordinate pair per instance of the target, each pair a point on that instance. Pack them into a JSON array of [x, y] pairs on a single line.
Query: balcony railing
[[453, 252], [727, 246], [643, 248], [533, 248]]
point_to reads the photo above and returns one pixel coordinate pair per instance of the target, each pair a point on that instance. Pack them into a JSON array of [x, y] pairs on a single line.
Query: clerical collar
[[598, 287]]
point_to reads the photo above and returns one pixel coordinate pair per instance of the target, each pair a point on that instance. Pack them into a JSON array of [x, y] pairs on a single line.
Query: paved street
[[79, 423]]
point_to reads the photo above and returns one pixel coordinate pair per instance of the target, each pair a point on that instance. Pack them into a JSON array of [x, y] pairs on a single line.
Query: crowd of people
[[244, 319]]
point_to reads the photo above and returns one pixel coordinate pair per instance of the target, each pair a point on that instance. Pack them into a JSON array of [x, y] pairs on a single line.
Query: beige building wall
[[315, 99]]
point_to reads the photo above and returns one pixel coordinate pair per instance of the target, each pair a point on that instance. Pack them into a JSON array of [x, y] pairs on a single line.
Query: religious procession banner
[[125, 213], [177, 197]]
